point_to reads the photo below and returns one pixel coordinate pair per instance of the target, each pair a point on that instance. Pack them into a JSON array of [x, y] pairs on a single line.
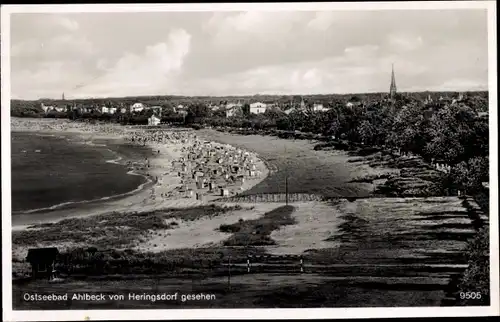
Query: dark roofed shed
[[42, 261]]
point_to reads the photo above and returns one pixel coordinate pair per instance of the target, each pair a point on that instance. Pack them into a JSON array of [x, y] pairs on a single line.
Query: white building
[[258, 108], [47, 109], [108, 110], [137, 107], [319, 108], [352, 104], [153, 120], [214, 107]]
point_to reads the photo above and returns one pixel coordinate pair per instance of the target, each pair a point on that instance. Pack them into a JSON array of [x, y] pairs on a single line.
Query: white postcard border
[[153, 314]]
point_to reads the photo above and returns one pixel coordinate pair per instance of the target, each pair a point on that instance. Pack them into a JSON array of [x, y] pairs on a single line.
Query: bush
[[476, 277], [257, 232]]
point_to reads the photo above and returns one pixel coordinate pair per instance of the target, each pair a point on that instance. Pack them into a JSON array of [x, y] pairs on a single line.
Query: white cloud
[[361, 52], [462, 84], [60, 47], [67, 23], [232, 30], [150, 72], [309, 77], [405, 42], [50, 79], [245, 52], [322, 20]]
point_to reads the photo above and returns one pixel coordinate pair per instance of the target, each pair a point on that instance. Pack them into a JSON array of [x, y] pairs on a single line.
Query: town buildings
[[233, 109], [137, 107], [154, 120], [181, 109], [258, 108], [108, 110], [319, 108]]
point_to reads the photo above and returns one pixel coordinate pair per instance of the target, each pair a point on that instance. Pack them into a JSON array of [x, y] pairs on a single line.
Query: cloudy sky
[[240, 53]]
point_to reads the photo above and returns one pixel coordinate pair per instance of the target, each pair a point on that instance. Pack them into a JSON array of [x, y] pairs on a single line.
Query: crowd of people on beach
[[158, 136]]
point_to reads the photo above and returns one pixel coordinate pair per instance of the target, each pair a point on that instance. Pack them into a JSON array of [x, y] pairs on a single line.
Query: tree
[[199, 110], [167, 109], [367, 132], [470, 174], [246, 109], [273, 113]]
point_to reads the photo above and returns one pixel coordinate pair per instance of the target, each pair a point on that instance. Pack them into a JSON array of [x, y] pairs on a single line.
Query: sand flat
[[316, 222], [201, 232]]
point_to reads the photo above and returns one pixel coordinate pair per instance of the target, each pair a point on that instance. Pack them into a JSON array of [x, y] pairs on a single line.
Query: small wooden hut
[[42, 261]]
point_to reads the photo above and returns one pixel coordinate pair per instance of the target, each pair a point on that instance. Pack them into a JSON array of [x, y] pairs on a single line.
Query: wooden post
[[286, 189], [301, 264], [286, 179], [248, 264], [229, 275]]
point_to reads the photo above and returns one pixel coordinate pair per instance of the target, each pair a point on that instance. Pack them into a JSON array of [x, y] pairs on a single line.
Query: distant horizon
[[246, 96], [239, 53]]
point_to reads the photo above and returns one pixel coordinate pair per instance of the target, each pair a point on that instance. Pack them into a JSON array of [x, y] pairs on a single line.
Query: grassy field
[[116, 230]]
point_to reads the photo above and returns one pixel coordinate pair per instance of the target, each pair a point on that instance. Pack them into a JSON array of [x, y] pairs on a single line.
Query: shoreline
[[84, 138], [154, 194], [68, 205]]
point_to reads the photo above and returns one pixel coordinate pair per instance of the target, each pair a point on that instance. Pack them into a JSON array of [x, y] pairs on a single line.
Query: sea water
[[52, 170]]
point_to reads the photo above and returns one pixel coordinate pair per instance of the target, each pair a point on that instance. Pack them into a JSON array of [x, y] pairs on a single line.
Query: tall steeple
[[63, 96], [393, 89]]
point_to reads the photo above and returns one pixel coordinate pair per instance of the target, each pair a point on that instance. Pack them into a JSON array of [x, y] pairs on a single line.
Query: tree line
[[438, 130], [444, 132]]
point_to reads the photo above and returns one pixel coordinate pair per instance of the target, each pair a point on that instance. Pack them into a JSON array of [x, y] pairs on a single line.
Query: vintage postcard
[[279, 160]]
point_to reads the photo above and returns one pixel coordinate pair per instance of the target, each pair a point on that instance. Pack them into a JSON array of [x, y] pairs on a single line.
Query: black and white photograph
[[331, 157]]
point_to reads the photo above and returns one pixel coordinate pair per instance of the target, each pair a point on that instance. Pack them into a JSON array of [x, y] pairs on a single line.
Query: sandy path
[[315, 222]]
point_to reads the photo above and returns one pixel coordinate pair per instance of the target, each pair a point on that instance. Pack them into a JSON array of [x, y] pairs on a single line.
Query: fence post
[[248, 264], [229, 275], [301, 264]]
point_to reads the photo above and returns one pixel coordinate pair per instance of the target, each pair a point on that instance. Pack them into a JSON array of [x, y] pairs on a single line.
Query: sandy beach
[[162, 170]]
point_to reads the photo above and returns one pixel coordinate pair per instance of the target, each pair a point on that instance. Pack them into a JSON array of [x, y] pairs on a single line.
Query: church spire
[[392, 91]]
